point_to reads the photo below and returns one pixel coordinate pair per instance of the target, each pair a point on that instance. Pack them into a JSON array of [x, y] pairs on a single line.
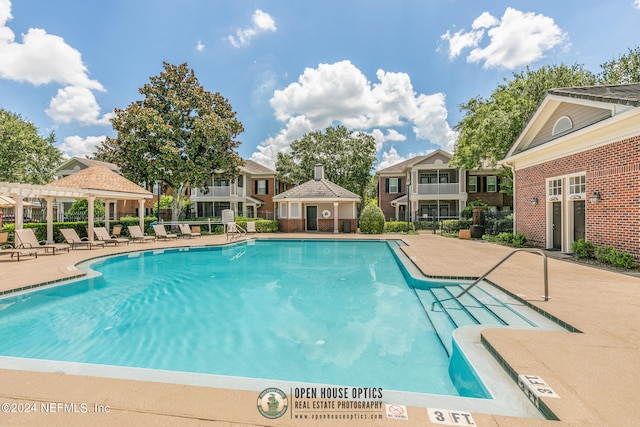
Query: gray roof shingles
[[625, 94], [317, 189]]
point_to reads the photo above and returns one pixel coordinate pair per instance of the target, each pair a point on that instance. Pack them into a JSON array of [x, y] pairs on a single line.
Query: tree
[[179, 134], [625, 69], [25, 156], [348, 158], [490, 126]]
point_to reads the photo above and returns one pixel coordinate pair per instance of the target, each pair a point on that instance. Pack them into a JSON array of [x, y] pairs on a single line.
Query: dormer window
[[562, 124]]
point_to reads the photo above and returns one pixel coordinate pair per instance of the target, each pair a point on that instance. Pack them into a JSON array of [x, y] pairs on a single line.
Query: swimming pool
[[331, 312]]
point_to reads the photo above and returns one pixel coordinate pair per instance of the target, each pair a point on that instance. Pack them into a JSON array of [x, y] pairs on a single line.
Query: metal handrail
[[531, 250]]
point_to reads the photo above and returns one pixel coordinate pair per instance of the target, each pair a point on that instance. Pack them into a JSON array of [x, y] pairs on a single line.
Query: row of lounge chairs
[[27, 243]]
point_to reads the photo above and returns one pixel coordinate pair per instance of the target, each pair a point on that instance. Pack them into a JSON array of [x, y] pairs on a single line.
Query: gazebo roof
[[102, 179], [317, 189]]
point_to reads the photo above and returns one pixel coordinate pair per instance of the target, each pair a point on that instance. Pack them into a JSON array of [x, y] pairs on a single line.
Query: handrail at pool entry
[[531, 250]]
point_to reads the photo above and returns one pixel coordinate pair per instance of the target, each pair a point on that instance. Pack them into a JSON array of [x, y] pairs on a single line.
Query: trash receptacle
[[346, 226]]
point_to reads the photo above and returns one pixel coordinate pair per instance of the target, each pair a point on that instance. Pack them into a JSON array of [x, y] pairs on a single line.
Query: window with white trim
[[561, 125], [492, 184], [294, 211], [473, 184], [283, 210], [554, 187], [393, 185], [578, 184]]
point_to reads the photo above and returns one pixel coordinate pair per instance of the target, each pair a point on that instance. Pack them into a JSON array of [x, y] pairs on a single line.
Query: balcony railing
[[217, 192], [448, 188]]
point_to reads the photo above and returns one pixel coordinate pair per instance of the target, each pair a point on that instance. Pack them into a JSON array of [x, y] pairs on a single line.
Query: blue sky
[[398, 70]]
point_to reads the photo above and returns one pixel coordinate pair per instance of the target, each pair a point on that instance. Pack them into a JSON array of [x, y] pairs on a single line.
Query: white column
[[18, 212], [141, 214], [90, 217], [107, 208], [49, 218], [335, 217]]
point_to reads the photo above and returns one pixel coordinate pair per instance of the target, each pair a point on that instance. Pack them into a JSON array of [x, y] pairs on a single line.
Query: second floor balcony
[[219, 191], [443, 188]]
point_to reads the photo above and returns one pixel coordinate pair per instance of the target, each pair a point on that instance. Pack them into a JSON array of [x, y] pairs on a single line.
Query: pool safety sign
[[534, 388], [450, 418], [396, 412]]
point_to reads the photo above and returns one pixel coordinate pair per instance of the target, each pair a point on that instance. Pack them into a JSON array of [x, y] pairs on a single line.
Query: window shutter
[[400, 185], [386, 185], [255, 185], [266, 186]]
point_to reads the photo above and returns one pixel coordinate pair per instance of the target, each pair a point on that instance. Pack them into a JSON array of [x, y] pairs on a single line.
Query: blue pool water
[[332, 312]]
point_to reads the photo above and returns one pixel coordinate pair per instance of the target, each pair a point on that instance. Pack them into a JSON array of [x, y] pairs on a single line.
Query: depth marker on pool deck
[[534, 387], [450, 418]]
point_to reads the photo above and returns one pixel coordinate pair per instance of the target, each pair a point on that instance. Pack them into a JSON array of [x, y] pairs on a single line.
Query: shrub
[[519, 240], [583, 249], [505, 238], [452, 226], [608, 255], [372, 219], [467, 212], [398, 227]]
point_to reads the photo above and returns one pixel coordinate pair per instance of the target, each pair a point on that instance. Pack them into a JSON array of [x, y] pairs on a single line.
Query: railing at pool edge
[[481, 278]]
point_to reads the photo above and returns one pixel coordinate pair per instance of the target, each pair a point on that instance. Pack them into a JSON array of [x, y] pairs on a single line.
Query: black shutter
[[400, 185], [386, 185], [266, 186], [255, 187]]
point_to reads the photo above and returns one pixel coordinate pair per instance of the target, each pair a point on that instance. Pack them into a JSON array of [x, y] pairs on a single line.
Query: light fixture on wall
[[595, 197], [534, 201]]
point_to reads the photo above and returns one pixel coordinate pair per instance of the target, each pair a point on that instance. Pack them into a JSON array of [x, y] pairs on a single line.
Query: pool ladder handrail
[[530, 250]]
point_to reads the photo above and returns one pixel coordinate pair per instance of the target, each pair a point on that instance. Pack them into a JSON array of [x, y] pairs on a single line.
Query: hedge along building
[[317, 205], [576, 168]]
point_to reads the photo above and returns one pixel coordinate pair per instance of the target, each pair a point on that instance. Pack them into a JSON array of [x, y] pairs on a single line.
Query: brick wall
[[384, 198], [614, 171]]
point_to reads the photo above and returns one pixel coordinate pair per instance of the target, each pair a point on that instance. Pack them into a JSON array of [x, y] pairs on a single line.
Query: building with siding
[[576, 169], [434, 190]]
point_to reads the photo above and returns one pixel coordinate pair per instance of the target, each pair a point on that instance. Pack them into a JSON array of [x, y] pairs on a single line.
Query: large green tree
[[348, 158], [625, 69], [25, 156], [490, 126], [179, 134]]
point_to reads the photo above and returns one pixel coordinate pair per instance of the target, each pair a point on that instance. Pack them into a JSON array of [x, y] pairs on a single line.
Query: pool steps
[[478, 306]]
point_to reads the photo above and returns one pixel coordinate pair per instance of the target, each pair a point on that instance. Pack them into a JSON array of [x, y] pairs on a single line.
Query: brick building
[[577, 169]]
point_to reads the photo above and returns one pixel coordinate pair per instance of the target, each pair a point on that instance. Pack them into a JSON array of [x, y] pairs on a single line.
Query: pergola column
[[90, 217], [141, 213], [107, 206], [19, 212], [49, 218], [335, 217]]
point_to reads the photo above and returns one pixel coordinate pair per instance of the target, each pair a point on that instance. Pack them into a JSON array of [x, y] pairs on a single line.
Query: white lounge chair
[[161, 233], [71, 237], [7, 249], [251, 227], [185, 231], [137, 235], [27, 239], [103, 235]]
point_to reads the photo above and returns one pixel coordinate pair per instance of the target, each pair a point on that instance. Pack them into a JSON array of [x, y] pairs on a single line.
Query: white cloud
[[390, 158], [517, 39], [76, 103], [340, 94], [636, 4], [262, 22], [200, 46], [44, 58], [81, 147]]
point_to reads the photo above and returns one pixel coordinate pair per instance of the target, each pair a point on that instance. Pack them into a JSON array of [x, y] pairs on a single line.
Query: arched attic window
[[562, 124]]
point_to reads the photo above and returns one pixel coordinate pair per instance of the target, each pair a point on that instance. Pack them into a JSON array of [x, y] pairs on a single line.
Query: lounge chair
[[251, 227], [103, 235], [115, 232], [137, 235], [27, 239], [161, 233], [185, 231], [72, 238], [7, 249]]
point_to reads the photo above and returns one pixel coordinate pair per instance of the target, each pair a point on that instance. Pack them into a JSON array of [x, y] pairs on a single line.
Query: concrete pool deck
[[596, 372]]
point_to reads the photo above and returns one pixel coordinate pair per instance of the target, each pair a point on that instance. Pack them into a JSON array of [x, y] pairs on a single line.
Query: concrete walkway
[[595, 372]]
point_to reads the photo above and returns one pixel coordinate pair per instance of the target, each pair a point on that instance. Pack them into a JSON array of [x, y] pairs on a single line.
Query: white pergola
[[19, 192]]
